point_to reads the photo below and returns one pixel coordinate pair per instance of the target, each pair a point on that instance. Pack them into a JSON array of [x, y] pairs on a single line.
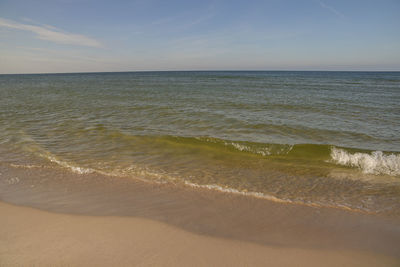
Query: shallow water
[[318, 138]]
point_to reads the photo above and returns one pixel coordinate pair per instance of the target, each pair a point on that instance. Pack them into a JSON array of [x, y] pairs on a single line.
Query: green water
[[320, 138]]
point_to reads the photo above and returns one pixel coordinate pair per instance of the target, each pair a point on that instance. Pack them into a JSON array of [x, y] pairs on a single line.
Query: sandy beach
[[58, 218], [30, 237]]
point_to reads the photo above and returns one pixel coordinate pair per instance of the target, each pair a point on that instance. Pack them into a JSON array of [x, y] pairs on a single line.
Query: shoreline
[[35, 237], [200, 211], [184, 185]]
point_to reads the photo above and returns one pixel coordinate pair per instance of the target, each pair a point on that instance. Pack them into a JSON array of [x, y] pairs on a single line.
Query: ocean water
[[314, 138]]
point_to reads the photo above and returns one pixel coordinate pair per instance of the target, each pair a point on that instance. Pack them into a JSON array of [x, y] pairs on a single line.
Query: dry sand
[[31, 237]]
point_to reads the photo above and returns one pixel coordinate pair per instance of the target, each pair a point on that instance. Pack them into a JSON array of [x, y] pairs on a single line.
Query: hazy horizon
[[155, 71]]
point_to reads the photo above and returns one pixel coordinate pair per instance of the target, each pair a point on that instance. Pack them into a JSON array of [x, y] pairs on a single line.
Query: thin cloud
[[52, 34], [331, 9]]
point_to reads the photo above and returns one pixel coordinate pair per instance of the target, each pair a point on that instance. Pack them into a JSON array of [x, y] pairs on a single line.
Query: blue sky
[[95, 35]]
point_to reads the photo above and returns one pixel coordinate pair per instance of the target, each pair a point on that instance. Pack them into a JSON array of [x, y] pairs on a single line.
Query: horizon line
[[194, 70]]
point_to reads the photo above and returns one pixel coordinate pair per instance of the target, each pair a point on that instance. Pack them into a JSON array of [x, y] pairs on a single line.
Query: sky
[[46, 36]]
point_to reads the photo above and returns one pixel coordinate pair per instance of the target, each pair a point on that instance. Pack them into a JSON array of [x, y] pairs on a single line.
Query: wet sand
[[31, 237], [97, 220]]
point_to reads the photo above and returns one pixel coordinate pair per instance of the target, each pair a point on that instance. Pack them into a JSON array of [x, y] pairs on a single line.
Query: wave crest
[[75, 169], [375, 163], [263, 149]]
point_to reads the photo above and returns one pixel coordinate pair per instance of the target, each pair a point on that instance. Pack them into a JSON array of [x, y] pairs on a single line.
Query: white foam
[[375, 163], [13, 180], [264, 151], [25, 166], [67, 165], [237, 192], [272, 198]]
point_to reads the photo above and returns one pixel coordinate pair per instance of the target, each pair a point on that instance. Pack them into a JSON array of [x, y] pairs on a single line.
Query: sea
[[324, 139]]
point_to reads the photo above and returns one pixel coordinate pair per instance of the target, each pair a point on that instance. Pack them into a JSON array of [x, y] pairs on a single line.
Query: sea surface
[[329, 139]]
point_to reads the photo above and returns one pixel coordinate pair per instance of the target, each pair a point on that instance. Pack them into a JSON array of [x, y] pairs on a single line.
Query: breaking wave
[[376, 162]]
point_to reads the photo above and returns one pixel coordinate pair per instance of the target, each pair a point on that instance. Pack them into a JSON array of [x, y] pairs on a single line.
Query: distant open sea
[[314, 138]]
